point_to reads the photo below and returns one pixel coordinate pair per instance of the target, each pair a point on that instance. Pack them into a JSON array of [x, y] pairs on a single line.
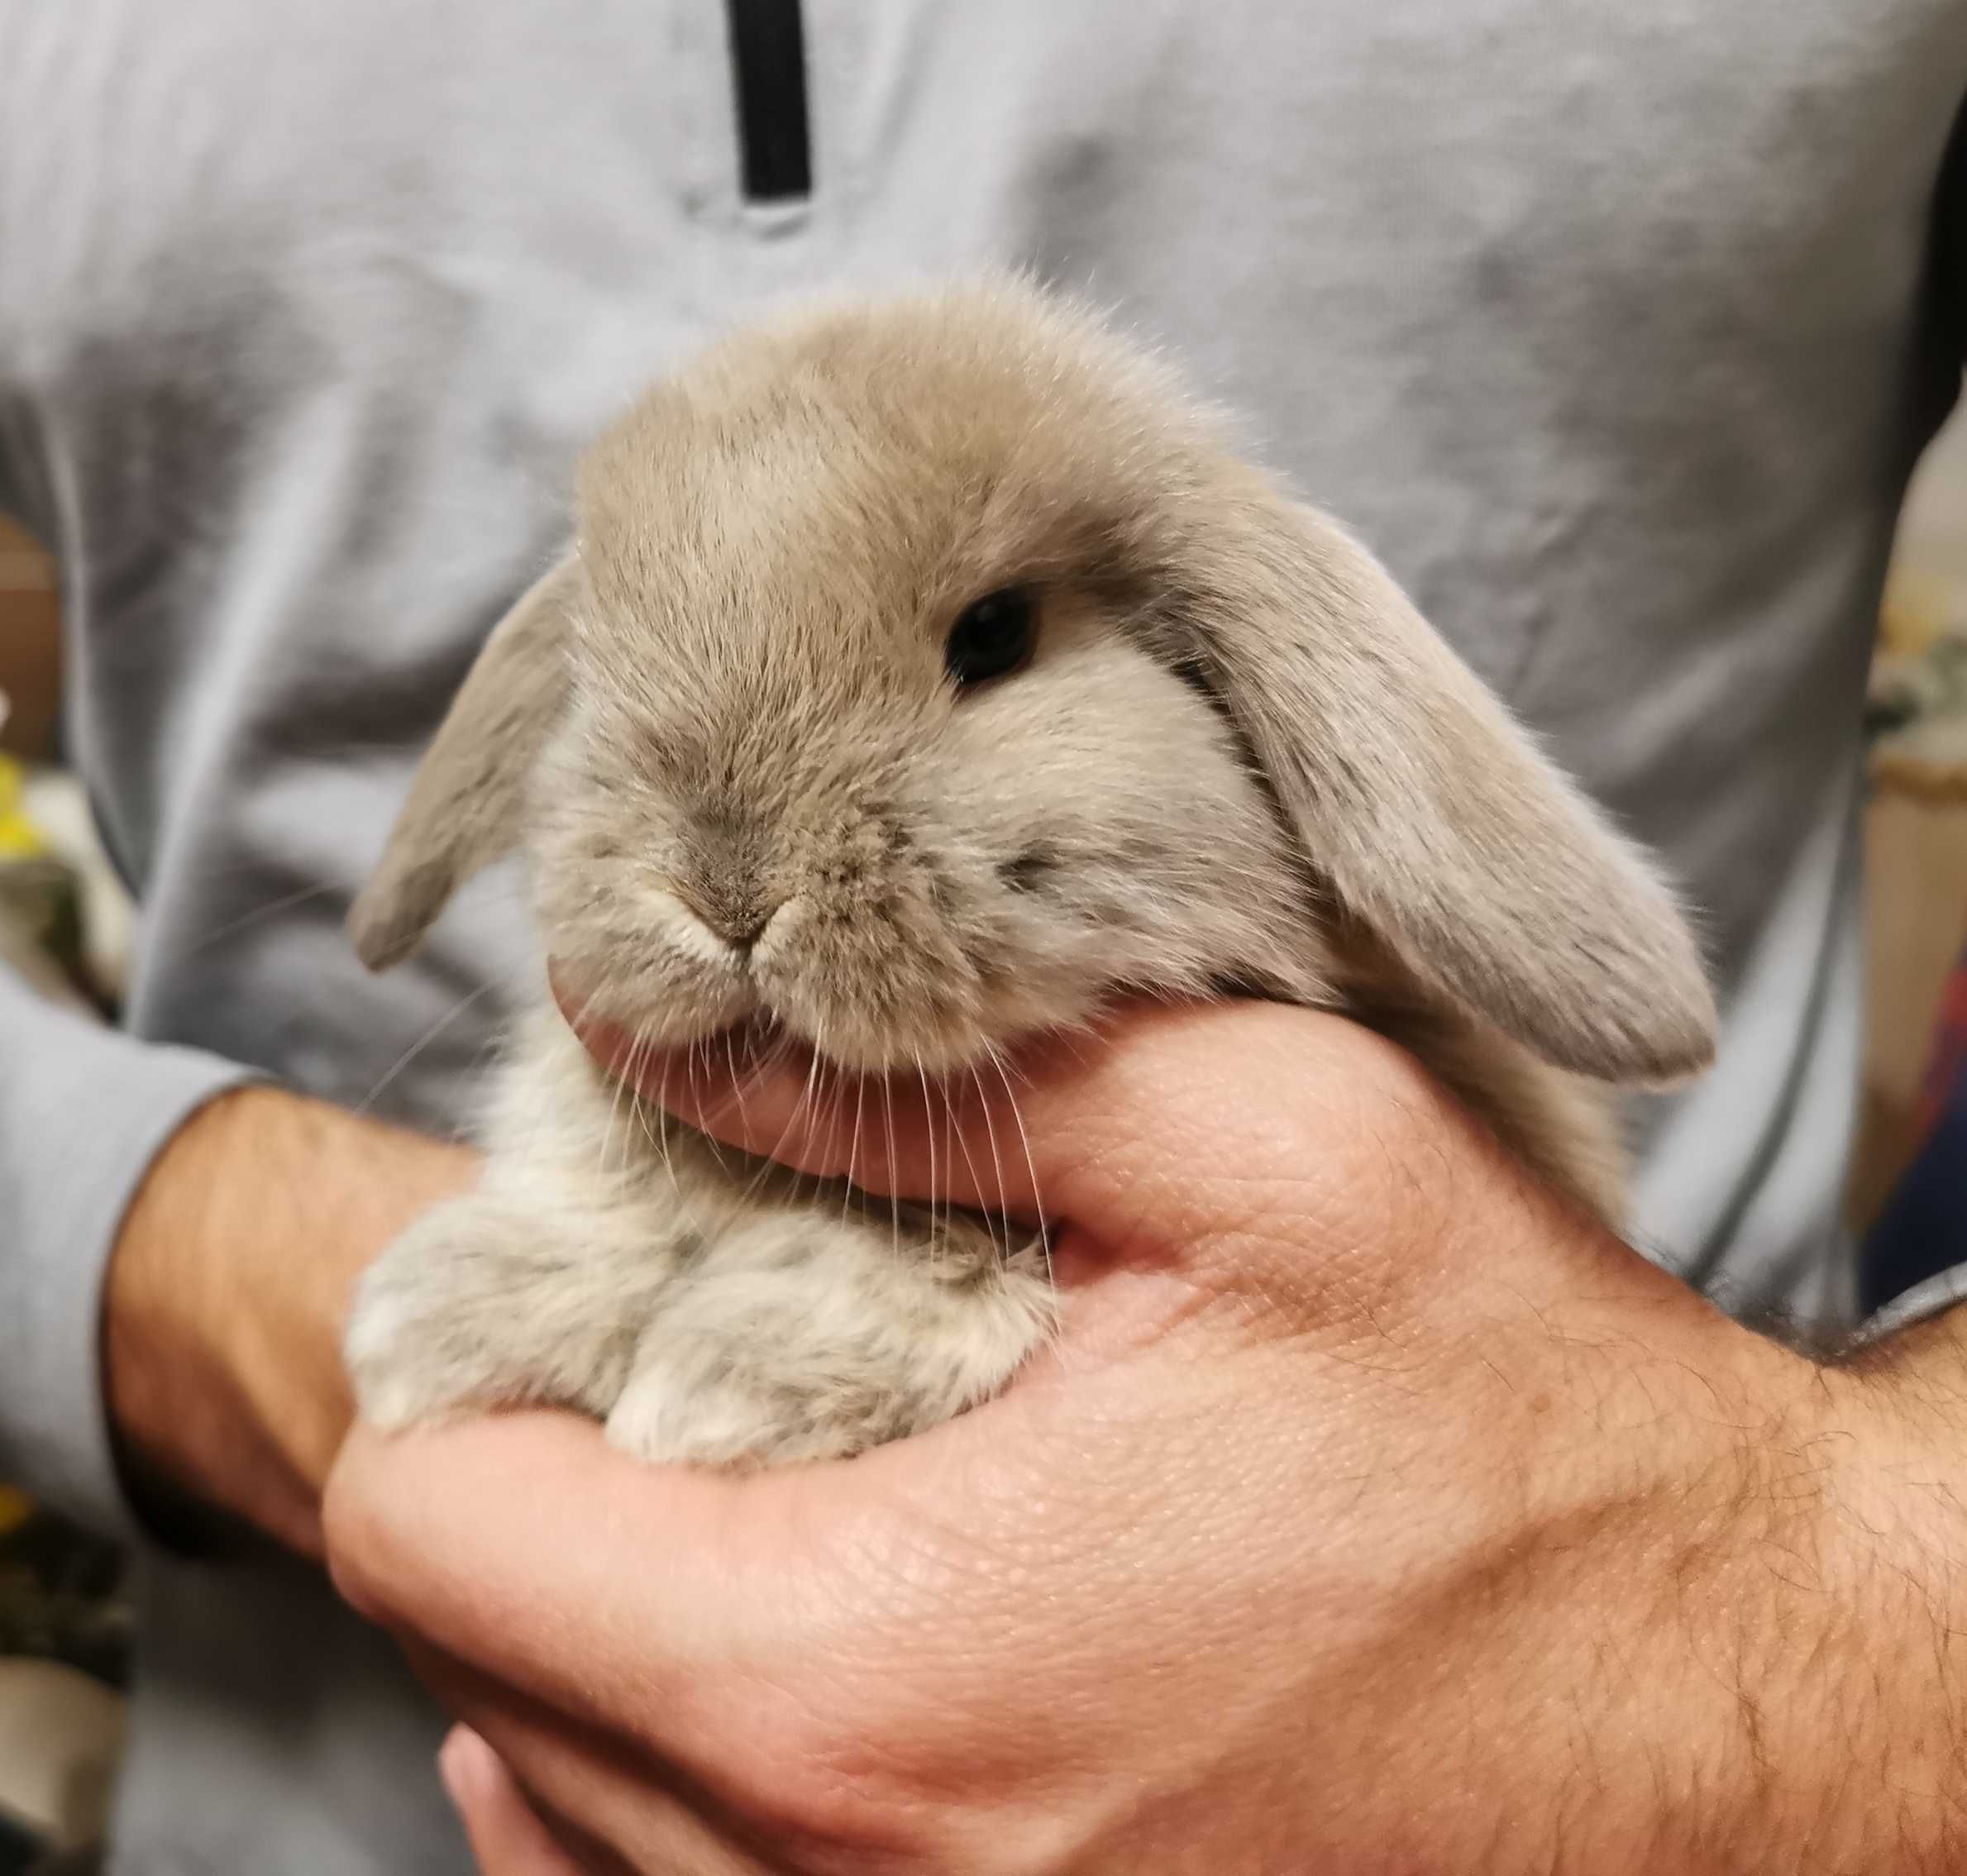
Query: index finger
[[626, 1595], [1175, 1121]]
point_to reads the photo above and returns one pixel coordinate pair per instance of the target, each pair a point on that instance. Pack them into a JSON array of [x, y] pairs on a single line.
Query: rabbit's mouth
[[871, 982], [735, 1014]]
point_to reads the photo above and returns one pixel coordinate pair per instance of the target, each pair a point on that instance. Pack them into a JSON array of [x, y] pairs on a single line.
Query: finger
[[1117, 1131], [1242, 1151], [767, 1093], [632, 1818], [506, 1838], [731, 1633], [613, 1588], [712, 1621]]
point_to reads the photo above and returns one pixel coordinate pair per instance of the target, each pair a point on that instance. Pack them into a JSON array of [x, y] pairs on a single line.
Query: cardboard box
[[30, 642]]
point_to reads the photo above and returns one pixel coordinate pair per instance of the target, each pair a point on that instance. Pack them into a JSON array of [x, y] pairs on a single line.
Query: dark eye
[[992, 637]]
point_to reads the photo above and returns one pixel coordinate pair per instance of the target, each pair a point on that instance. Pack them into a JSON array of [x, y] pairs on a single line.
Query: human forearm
[[1891, 1743], [1820, 1621], [1737, 1614], [225, 1296]]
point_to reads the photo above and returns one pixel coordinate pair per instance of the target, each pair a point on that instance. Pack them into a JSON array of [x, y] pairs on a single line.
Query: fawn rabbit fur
[[745, 737]]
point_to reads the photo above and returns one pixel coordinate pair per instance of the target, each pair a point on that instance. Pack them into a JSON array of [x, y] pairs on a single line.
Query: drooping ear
[[467, 801], [1487, 874]]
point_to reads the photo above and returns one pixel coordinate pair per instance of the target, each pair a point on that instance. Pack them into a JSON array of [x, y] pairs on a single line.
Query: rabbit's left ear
[[467, 802], [1433, 815]]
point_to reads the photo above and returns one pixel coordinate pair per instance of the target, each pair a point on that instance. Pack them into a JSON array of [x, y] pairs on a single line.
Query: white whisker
[[422, 1043], [1030, 1163]]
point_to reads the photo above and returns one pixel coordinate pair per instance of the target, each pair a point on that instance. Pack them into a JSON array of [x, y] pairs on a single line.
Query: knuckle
[[352, 1537]]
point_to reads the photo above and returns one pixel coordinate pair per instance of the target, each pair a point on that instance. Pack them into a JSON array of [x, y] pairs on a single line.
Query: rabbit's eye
[[992, 637]]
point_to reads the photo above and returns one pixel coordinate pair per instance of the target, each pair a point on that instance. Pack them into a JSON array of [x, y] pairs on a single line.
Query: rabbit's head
[[928, 669]]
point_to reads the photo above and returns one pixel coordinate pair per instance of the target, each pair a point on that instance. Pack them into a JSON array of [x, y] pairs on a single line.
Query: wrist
[[1827, 1645], [1747, 1571], [1901, 1514], [225, 1294], [1714, 1548]]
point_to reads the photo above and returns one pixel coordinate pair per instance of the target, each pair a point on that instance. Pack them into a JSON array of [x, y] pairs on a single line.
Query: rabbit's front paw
[[406, 1355], [477, 1304], [771, 1361]]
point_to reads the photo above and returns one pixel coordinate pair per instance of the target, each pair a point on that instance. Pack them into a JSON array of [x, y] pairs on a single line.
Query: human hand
[[226, 1291], [1374, 1512]]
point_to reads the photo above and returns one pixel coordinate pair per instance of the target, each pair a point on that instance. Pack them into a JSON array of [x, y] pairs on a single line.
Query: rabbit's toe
[[409, 1348], [400, 1372], [476, 1306], [826, 1377], [667, 1420]]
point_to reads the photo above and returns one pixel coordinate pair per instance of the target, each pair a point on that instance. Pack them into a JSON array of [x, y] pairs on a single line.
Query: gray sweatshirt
[[1615, 329]]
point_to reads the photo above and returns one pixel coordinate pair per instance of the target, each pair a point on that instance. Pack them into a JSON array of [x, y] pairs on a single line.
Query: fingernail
[[468, 1767]]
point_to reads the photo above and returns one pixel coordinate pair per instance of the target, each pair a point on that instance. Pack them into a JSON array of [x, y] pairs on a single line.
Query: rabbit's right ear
[[467, 803]]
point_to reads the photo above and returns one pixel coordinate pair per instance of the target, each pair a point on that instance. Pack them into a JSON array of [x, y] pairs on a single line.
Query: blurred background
[[63, 925], [66, 925]]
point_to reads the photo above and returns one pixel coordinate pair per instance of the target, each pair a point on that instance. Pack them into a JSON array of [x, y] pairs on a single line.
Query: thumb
[[1173, 1123], [506, 1838]]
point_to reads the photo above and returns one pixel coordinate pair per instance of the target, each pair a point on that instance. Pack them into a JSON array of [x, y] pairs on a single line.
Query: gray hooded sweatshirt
[[1616, 330]]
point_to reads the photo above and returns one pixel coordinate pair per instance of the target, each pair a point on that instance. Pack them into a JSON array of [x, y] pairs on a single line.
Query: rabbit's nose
[[739, 925], [742, 933]]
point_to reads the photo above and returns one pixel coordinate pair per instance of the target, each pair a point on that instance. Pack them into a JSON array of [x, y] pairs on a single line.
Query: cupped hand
[[1373, 1512]]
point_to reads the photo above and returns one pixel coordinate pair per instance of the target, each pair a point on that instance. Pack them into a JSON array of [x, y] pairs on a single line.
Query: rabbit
[[928, 670]]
